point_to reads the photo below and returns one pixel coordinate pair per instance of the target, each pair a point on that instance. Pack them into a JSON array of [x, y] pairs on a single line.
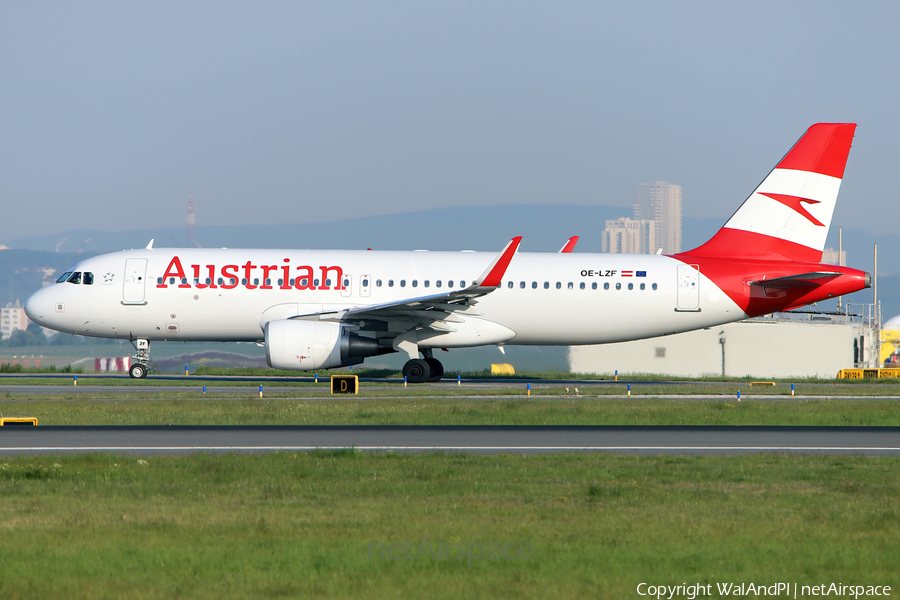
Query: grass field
[[451, 411], [314, 525], [348, 524]]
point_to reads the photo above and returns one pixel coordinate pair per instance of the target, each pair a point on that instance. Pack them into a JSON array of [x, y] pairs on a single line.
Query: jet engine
[[298, 345]]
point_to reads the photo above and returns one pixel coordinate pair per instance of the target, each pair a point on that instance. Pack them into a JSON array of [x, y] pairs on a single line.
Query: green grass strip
[[315, 524], [249, 410]]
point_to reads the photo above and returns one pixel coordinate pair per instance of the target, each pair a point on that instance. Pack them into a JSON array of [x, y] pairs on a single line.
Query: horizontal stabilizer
[[794, 281]]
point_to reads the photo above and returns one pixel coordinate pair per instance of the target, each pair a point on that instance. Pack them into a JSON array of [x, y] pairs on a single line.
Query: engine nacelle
[[298, 345]]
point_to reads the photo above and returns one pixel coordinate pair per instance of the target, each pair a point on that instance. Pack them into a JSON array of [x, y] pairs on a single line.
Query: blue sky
[[112, 114]]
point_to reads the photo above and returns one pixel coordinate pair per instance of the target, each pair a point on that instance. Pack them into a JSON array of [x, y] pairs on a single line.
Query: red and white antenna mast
[[191, 218]]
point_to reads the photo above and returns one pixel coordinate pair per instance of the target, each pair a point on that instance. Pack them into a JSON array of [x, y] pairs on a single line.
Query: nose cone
[[39, 307]]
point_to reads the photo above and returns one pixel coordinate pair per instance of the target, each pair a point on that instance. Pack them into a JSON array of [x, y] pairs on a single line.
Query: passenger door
[[135, 280], [688, 288]]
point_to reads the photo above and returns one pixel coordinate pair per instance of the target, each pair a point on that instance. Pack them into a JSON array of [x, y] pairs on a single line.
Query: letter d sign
[[344, 384]]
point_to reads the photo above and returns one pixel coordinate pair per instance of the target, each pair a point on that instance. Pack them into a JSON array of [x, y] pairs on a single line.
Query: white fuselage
[[544, 298]]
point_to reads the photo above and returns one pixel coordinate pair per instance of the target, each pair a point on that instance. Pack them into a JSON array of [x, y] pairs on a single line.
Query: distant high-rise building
[[628, 236], [12, 319], [660, 202]]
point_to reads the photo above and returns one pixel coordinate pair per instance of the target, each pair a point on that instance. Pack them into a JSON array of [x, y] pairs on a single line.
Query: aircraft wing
[[435, 307], [570, 245]]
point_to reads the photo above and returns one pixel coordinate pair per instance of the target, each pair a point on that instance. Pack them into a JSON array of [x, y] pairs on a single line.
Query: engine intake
[[297, 345]]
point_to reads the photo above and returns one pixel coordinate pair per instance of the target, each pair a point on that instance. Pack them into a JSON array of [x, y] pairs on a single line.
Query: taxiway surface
[[141, 440]]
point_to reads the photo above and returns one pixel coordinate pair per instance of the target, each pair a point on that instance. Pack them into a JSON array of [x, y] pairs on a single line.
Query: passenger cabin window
[[415, 283], [328, 282], [159, 280], [402, 283], [427, 283], [643, 286], [450, 284], [580, 285], [594, 286], [437, 283], [630, 286], [75, 277], [522, 285], [64, 277], [534, 285], [377, 283], [618, 286], [653, 286], [510, 285], [221, 281], [390, 283], [558, 285], [365, 282], [171, 281], [606, 286], [546, 285]]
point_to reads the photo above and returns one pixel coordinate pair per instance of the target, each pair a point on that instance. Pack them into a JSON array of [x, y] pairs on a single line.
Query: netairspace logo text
[[789, 590]]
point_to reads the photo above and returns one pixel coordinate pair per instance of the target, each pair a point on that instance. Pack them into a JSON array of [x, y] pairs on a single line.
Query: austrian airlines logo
[[793, 202]]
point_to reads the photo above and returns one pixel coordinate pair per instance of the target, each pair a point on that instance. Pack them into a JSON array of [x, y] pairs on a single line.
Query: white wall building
[[818, 346]]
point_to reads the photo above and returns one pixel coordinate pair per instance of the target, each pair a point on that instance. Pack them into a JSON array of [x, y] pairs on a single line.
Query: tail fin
[[789, 214]]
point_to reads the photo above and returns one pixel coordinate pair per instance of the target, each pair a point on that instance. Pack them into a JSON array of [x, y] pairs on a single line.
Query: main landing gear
[[420, 370], [140, 361]]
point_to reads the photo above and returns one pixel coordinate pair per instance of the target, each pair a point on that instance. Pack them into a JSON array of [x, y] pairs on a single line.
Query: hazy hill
[[544, 227]]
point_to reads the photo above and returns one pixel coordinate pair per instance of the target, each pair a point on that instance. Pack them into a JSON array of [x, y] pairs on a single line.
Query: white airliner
[[321, 309]]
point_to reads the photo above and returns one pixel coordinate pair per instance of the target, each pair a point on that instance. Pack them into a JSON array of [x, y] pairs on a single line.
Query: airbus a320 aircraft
[[321, 309]]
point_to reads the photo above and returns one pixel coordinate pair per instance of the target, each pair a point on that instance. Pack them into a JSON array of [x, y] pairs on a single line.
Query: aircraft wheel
[[137, 371], [437, 369], [416, 371]]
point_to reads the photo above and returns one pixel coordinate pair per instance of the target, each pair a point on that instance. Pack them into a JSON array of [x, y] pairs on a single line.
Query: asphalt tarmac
[[639, 440], [695, 440]]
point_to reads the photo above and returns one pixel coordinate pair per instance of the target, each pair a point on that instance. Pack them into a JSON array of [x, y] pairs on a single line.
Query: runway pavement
[[141, 440]]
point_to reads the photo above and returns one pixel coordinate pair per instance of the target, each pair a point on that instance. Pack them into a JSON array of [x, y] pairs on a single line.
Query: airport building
[[790, 344]]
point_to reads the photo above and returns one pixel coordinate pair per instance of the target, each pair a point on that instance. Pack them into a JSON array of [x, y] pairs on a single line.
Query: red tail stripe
[[736, 243], [822, 149]]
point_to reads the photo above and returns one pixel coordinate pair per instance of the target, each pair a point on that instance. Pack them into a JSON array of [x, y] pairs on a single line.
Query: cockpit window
[[75, 278], [88, 278], [64, 277]]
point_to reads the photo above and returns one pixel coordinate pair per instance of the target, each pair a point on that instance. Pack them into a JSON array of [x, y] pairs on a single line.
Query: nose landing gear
[[140, 361]]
